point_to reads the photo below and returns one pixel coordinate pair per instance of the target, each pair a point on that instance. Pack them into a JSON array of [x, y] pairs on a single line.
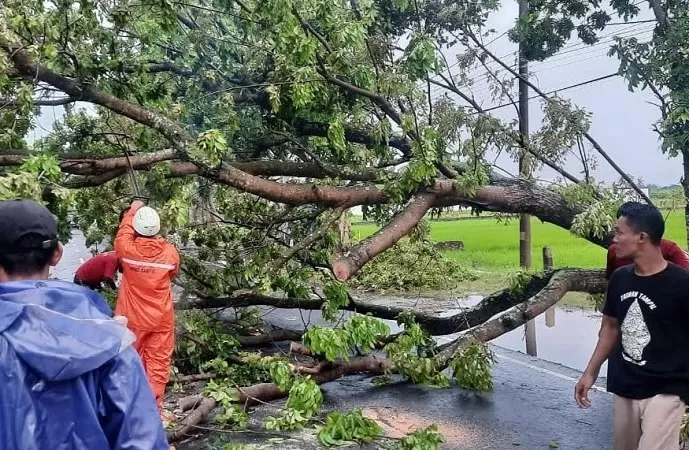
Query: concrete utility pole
[[525, 219]]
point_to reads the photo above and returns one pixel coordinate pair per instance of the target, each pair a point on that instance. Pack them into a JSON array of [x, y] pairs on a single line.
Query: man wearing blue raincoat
[[69, 377]]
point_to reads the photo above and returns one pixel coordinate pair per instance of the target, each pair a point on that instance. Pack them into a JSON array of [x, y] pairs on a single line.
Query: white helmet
[[146, 221]]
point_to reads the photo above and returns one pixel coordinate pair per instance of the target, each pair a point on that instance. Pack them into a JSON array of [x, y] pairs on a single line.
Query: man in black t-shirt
[[644, 336]]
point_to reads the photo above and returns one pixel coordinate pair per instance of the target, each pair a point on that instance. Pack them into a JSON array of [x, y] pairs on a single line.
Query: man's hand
[[581, 390], [136, 204]]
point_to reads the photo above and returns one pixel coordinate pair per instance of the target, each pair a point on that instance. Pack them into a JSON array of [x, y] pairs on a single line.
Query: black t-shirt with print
[[652, 356]]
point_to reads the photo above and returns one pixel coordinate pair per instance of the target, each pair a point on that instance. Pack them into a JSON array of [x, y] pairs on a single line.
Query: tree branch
[[583, 280], [355, 135], [502, 194], [33, 71], [558, 285], [39, 102], [270, 337], [588, 137], [349, 264], [542, 158]]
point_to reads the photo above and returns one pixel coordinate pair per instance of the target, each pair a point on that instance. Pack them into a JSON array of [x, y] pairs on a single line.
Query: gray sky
[[621, 120]]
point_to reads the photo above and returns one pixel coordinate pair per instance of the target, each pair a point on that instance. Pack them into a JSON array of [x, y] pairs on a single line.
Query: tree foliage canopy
[[270, 120]]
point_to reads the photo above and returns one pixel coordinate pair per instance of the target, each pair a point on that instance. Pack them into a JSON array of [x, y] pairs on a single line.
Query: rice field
[[494, 247]]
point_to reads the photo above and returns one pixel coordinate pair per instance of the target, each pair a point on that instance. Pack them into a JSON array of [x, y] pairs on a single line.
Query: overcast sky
[[621, 120]]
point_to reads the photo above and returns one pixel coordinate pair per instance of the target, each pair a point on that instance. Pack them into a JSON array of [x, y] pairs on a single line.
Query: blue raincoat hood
[[70, 378], [56, 331]]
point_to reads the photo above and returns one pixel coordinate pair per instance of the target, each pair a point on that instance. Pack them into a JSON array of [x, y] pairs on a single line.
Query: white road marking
[[546, 371]]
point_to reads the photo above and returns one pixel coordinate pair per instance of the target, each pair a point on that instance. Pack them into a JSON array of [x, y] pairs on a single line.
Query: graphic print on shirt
[[635, 334]]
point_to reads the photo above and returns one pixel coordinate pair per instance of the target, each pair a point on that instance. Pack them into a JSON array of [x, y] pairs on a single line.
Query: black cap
[[26, 225]]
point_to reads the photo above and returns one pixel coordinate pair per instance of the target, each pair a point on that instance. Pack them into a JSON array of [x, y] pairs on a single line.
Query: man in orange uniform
[[149, 263]]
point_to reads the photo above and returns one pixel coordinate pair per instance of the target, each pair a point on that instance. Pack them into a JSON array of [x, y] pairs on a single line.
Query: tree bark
[[190, 423], [583, 280], [190, 402]]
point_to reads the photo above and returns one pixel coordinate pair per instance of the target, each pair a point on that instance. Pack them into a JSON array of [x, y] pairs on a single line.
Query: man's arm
[[178, 263], [130, 416], [676, 255], [124, 239], [110, 271], [608, 337], [610, 262], [607, 341]]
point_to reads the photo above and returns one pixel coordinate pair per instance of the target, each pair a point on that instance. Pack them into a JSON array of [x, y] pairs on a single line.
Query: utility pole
[[525, 219]]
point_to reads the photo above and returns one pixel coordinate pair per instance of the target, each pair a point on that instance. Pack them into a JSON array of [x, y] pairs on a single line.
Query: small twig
[[309, 240]]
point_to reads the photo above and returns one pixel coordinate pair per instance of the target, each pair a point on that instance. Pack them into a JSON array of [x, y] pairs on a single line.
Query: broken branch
[[349, 264]]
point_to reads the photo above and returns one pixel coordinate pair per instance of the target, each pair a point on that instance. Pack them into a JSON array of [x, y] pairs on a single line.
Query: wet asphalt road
[[531, 407]]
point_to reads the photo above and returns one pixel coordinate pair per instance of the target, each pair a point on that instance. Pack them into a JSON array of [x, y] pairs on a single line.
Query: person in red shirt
[[671, 252], [99, 271]]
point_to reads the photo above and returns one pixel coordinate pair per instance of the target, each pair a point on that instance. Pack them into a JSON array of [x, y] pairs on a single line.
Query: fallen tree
[[252, 128], [494, 316], [591, 281]]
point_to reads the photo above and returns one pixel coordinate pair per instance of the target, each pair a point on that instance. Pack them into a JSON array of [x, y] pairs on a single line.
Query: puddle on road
[[570, 342]]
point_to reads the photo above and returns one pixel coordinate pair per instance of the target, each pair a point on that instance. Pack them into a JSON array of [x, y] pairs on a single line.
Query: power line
[[579, 51], [479, 88], [572, 56], [565, 88], [633, 29]]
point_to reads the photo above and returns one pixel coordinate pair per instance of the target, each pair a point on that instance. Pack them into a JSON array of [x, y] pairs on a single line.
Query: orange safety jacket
[[148, 267]]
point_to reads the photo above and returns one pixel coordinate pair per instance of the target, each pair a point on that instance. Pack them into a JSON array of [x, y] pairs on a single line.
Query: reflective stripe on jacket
[[148, 267]]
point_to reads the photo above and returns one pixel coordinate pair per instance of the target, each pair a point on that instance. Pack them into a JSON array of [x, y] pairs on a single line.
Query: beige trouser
[[648, 424]]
